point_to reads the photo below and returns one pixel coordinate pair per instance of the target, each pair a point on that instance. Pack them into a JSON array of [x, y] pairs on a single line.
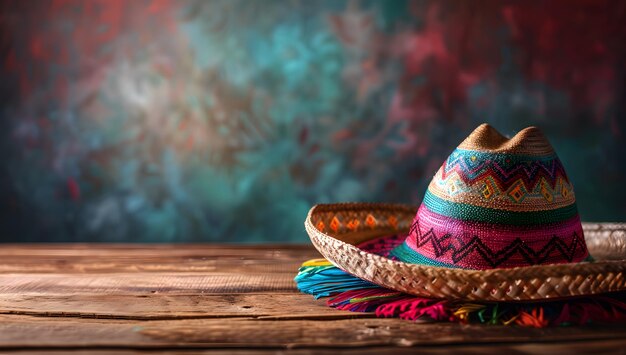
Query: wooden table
[[230, 299]]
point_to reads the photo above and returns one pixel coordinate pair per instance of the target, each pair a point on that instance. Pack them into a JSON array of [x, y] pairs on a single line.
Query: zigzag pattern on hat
[[509, 181], [555, 250], [504, 169]]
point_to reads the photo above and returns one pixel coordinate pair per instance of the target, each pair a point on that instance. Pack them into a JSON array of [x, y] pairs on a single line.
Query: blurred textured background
[[224, 121]]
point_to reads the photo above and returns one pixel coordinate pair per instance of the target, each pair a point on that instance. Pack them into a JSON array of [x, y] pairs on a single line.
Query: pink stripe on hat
[[474, 245]]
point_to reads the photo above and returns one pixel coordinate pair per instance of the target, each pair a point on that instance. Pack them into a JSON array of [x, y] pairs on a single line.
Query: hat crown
[[529, 141], [497, 202]]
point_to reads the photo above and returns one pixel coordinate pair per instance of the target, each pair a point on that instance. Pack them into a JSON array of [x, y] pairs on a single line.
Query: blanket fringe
[[320, 278]]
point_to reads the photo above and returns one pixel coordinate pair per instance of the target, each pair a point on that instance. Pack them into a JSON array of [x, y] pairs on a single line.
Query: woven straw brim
[[335, 229]]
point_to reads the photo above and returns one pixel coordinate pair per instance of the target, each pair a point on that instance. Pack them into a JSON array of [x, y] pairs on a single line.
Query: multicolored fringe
[[320, 278]]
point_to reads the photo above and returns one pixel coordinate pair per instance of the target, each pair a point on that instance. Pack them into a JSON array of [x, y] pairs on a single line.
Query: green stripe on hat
[[404, 253]]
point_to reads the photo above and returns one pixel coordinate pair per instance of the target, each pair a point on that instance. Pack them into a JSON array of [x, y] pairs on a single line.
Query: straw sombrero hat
[[498, 223]]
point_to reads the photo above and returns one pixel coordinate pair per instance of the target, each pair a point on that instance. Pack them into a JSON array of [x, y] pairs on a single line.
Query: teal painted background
[[224, 121]]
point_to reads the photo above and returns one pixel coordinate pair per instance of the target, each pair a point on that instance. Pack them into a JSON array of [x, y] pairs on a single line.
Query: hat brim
[[336, 230]]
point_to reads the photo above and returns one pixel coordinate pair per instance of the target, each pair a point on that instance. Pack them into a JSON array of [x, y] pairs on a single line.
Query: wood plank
[[365, 332], [165, 250], [573, 347], [155, 265], [25, 331], [152, 258], [173, 306], [146, 283]]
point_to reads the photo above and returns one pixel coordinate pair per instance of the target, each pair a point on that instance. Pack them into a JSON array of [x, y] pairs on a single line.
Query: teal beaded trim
[[504, 159], [404, 253], [465, 212]]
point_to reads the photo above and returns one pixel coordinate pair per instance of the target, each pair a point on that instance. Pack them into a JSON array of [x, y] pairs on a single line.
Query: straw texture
[[335, 228], [529, 141]]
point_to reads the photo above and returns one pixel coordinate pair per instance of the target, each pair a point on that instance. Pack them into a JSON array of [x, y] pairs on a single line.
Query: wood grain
[[202, 258], [591, 347], [144, 283], [280, 334], [228, 299], [172, 306]]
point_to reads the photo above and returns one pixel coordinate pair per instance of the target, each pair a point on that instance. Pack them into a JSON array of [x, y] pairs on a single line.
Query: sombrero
[[498, 226]]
